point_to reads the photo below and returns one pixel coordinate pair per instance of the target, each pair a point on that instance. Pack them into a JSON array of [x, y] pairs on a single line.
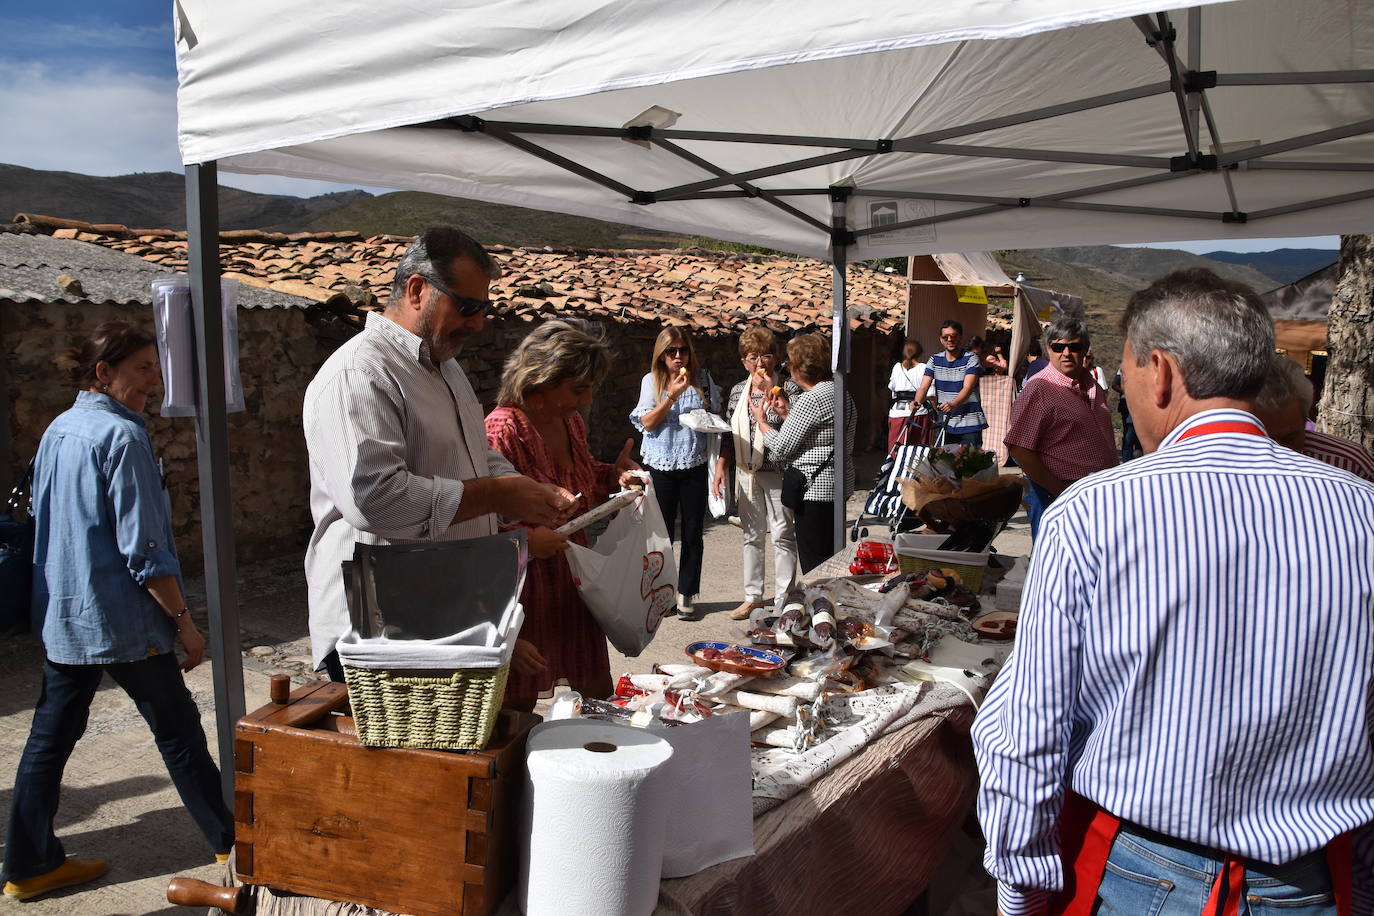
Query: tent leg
[[212, 453], [840, 365]]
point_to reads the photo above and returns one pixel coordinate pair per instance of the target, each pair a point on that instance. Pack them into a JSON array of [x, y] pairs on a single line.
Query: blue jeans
[[1038, 499], [1146, 877], [973, 438], [157, 689], [1130, 442]]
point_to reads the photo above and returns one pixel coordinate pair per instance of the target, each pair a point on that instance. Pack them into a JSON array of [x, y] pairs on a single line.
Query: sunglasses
[[1074, 346], [674, 351], [466, 305]]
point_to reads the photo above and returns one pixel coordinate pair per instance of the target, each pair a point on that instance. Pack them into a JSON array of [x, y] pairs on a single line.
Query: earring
[[105, 388]]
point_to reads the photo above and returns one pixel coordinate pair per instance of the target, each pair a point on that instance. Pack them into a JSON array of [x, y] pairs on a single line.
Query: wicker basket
[[972, 574], [426, 709]]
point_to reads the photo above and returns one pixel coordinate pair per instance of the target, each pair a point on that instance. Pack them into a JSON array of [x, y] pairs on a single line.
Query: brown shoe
[[70, 872], [745, 609]]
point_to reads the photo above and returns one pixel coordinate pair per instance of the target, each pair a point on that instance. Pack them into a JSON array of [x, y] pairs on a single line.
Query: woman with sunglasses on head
[[674, 454]]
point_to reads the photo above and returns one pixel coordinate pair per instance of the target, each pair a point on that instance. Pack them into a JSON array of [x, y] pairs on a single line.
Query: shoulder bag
[[795, 483]]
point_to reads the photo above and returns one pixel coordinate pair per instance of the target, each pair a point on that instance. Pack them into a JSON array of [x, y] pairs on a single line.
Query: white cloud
[[49, 37], [97, 121]]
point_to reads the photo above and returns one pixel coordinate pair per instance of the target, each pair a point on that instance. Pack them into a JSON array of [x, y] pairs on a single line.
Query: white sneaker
[[685, 610]]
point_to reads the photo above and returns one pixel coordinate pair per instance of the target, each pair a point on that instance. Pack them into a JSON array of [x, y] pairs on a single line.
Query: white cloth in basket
[[485, 645]]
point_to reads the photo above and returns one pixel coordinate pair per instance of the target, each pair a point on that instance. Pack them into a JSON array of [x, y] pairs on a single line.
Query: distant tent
[[1299, 312]]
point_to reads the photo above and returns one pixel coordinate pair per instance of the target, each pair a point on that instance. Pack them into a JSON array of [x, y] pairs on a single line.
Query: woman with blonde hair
[[806, 440], [758, 476], [537, 425], [675, 454]]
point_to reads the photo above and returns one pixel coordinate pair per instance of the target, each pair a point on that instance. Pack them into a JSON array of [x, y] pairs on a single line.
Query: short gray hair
[[557, 350], [1218, 330], [1067, 328], [1285, 383], [431, 254]]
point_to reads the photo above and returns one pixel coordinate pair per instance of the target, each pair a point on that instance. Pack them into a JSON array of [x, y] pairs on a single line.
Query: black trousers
[[815, 533], [682, 494], [157, 689]]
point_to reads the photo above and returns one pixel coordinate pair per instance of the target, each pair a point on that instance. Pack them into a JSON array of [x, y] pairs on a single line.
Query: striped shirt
[[806, 441], [391, 439], [1339, 453], [1193, 656], [949, 381]]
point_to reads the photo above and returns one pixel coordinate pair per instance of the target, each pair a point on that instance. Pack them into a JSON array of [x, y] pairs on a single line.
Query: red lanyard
[[1222, 426]]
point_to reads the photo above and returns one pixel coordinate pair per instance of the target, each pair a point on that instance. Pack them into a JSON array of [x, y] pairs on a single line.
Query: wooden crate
[[411, 831]]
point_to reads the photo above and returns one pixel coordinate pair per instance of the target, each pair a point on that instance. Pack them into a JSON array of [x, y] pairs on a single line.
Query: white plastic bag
[[722, 506], [628, 578]]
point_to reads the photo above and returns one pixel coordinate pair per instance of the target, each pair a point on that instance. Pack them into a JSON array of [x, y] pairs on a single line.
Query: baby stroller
[[884, 505]]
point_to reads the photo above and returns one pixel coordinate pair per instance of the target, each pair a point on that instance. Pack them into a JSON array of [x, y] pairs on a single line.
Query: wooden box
[[411, 831]]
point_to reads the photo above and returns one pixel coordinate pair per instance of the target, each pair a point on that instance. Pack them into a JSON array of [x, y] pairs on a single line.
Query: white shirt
[[904, 380], [390, 439]]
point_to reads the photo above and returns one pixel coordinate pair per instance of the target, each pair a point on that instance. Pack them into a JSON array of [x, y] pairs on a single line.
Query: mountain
[[1138, 267], [152, 200], [409, 212], [1283, 264]]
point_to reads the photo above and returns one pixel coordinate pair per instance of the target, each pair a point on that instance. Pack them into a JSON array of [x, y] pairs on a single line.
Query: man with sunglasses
[[1061, 426], [396, 437], [955, 373]]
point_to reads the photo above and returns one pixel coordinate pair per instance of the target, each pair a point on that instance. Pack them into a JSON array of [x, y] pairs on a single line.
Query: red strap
[[1227, 889], [1340, 859], [1086, 835], [1222, 426]]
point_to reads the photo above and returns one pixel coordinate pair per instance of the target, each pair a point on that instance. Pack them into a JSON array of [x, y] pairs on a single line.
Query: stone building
[[302, 295]]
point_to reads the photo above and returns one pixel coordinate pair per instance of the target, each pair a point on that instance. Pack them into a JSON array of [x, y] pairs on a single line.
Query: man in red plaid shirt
[[1061, 426]]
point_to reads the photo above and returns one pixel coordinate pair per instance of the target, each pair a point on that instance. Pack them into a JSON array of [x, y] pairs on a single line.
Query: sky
[[89, 86]]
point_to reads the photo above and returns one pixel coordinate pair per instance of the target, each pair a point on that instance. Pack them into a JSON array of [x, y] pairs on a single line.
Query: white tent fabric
[[1011, 123], [972, 268]]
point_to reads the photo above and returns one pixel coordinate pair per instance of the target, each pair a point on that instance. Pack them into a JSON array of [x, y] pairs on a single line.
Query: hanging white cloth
[[749, 453]]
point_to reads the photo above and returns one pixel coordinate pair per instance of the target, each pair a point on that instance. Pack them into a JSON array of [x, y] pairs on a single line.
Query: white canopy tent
[[826, 129]]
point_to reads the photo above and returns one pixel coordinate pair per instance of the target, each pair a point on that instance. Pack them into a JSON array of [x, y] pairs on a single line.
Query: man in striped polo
[[955, 376], [1184, 724], [1283, 405]]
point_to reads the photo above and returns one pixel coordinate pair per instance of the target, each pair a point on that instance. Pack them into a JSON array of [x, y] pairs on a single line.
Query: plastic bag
[[629, 577]]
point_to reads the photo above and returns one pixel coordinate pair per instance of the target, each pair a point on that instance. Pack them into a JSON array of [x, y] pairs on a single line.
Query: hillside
[[409, 212], [1137, 267], [151, 200], [1283, 264]]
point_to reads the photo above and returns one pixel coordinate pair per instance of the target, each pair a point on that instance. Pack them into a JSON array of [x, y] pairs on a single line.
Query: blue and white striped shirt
[[1195, 655], [948, 380]]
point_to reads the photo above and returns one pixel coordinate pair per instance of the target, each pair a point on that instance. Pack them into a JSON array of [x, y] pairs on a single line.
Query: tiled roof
[[711, 292], [31, 266]]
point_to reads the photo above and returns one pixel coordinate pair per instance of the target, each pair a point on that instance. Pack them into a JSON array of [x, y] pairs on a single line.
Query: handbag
[[16, 560], [795, 483]]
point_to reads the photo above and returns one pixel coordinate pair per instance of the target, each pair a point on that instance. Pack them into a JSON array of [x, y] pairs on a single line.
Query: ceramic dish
[[997, 625], [724, 656]]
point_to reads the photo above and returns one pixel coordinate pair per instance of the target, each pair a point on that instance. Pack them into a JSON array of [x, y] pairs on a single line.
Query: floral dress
[[556, 619]]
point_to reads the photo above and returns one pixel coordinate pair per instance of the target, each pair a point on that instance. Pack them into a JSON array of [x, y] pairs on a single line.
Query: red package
[[625, 688], [873, 550]]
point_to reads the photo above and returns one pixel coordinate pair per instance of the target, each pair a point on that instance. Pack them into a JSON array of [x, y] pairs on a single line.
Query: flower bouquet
[[949, 486]]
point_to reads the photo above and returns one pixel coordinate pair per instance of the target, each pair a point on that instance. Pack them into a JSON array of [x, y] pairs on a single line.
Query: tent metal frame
[[1185, 81]]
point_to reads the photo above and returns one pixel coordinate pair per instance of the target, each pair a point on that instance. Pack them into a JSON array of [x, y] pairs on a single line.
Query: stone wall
[[280, 351]]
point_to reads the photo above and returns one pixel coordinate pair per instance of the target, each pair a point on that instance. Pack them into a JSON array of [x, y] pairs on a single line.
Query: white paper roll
[[596, 806]]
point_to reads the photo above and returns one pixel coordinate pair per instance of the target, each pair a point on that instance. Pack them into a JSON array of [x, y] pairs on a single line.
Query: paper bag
[[628, 578], [711, 818]]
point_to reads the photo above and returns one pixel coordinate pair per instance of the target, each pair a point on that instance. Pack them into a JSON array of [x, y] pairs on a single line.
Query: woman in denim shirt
[[107, 588], [674, 454]]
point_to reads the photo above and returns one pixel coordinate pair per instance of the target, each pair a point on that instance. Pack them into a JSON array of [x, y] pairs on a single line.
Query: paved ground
[[117, 802]]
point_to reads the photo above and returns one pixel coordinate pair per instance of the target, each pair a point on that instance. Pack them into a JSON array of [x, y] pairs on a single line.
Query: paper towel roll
[[596, 806]]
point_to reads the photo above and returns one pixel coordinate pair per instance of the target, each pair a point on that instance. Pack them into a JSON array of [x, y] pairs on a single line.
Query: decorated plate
[[724, 656]]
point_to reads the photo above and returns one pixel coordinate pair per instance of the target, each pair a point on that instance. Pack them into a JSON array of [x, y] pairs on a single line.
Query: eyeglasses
[[758, 357], [674, 351], [466, 305], [1073, 346]]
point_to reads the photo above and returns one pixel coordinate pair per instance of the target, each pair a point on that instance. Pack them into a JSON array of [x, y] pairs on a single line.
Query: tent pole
[[212, 454], [839, 351]]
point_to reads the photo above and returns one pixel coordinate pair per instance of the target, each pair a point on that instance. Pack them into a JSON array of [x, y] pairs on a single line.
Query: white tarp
[[971, 268], [327, 91]]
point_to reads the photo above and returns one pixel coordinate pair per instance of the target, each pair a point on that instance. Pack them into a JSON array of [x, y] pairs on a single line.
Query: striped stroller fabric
[[885, 499]]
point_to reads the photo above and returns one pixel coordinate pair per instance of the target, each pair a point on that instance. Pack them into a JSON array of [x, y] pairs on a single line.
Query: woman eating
[[538, 426], [675, 454], [108, 584], [758, 477], [806, 440]]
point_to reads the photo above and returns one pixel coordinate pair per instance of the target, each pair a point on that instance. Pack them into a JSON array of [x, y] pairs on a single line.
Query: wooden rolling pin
[[194, 892]]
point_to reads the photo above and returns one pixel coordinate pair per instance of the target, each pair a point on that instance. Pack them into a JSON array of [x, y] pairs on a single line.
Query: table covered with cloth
[[871, 831]]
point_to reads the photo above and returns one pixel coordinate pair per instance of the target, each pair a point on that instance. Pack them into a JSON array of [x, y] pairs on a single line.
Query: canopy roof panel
[[998, 124]]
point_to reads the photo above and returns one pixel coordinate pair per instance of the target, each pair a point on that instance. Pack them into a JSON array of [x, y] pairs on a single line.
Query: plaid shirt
[[1068, 426], [806, 440]]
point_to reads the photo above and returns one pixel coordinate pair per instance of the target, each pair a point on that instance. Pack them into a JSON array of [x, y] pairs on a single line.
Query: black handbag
[[16, 560], [795, 483]]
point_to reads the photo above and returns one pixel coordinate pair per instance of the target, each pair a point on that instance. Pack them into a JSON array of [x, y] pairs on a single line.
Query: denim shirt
[[103, 526], [670, 446]]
